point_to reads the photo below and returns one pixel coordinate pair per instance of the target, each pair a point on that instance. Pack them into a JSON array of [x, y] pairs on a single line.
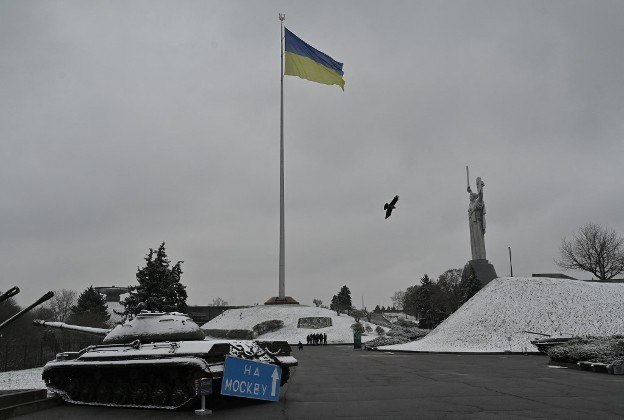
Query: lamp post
[[510, 266]]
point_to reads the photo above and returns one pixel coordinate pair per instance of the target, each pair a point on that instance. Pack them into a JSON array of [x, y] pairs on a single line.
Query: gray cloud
[[124, 124]]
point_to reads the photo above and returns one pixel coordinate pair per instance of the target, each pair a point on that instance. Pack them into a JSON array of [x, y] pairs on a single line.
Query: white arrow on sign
[[275, 377]]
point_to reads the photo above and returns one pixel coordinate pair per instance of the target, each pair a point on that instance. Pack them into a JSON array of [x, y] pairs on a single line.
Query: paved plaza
[[340, 382]]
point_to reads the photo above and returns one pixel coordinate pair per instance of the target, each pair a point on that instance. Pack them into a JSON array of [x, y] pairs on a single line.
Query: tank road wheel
[[87, 391], [160, 394], [73, 388], [104, 392], [141, 393], [179, 395], [120, 393]]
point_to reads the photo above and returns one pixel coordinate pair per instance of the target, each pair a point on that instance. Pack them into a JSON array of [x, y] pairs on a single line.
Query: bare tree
[[317, 302], [397, 299], [61, 304], [218, 301], [595, 249]]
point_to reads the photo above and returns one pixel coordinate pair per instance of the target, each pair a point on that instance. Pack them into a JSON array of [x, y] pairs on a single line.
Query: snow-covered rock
[[496, 318], [245, 318]]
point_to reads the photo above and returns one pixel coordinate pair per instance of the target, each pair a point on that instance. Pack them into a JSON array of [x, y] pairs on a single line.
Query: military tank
[[151, 360]]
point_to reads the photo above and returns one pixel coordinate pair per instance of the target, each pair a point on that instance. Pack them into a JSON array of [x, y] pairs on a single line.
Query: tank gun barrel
[[537, 333], [78, 328], [39, 301], [9, 293]]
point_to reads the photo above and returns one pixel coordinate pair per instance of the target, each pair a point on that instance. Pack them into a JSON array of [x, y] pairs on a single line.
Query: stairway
[[20, 402]]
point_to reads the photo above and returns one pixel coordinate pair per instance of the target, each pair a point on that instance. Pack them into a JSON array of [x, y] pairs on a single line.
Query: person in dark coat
[[325, 338], [300, 345]]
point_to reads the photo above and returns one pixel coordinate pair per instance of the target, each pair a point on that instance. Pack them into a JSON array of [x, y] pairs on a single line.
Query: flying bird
[[389, 207]]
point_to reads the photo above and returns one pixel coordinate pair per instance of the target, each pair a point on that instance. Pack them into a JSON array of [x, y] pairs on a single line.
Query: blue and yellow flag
[[309, 63]]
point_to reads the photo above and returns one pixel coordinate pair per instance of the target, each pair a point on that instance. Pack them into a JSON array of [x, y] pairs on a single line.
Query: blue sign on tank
[[251, 379]]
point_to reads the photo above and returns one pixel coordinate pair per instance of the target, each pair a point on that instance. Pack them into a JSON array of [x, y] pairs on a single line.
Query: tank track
[[166, 387]]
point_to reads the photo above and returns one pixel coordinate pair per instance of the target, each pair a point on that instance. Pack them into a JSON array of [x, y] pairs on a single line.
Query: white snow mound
[[245, 318], [494, 320]]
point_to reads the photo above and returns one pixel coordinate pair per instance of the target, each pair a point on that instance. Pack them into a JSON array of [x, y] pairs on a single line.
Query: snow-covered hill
[[246, 318], [495, 319]]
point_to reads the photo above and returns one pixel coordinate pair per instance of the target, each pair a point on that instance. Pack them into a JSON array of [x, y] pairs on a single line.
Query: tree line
[[431, 302]]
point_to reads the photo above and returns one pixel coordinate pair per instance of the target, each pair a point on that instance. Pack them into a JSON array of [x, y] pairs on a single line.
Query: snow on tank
[[155, 326]]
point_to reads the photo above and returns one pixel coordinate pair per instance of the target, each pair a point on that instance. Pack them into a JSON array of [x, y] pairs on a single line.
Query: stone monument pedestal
[[483, 270], [286, 300]]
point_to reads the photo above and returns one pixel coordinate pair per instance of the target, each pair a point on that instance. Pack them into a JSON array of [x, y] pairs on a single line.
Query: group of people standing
[[316, 339]]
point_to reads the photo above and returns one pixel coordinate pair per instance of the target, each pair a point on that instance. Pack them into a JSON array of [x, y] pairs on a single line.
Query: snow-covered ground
[[22, 379], [495, 319], [246, 318]]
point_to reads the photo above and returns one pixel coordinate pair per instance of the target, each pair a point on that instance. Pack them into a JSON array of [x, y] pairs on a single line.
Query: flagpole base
[[203, 412], [286, 300]]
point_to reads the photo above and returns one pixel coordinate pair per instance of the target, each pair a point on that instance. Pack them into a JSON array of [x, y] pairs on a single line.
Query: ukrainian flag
[[311, 64]]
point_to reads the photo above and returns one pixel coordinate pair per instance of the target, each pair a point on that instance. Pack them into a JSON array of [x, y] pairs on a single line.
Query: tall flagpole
[[282, 279]]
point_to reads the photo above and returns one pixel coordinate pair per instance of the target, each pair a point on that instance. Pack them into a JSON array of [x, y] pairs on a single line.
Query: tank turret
[[39, 301], [147, 327], [152, 361]]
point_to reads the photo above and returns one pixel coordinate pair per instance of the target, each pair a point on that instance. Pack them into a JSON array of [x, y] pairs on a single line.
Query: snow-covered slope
[[495, 318], [246, 318]]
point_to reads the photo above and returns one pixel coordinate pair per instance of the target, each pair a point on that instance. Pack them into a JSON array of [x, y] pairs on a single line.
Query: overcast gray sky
[[127, 123]]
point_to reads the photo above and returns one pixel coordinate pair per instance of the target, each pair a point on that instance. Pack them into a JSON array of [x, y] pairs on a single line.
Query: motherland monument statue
[[476, 221], [479, 265]]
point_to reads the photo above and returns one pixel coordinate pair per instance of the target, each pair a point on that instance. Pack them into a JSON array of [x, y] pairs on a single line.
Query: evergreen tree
[[90, 310], [345, 296], [410, 301], [425, 300], [377, 309], [342, 301], [159, 285]]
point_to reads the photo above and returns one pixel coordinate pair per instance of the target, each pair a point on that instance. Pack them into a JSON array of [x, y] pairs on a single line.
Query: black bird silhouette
[[389, 207]]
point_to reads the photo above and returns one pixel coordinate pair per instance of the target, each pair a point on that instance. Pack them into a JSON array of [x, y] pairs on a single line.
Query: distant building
[[563, 276], [113, 297], [395, 316], [553, 276]]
